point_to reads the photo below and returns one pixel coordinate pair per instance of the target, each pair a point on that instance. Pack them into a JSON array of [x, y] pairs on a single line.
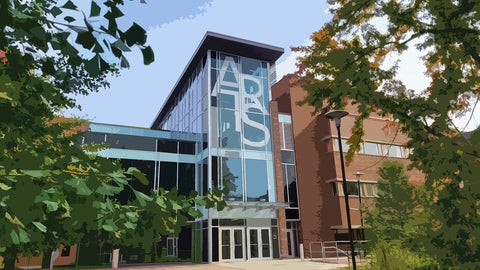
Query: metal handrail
[[331, 247]]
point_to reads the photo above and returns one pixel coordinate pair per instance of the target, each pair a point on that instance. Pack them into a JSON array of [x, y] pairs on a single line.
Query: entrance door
[[259, 243], [231, 244]]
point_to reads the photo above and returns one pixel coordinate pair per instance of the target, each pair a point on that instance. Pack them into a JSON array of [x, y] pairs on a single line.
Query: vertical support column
[[281, 218], [209, 174]]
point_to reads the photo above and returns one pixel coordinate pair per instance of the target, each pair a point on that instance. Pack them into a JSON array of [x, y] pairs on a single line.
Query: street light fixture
[[337, 115], [358, 175]]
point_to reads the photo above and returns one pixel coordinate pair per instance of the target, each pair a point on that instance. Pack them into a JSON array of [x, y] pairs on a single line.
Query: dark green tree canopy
[[51, 190], [344, 64]]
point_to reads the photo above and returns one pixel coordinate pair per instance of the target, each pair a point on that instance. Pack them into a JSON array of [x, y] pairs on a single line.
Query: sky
[[175, 29]]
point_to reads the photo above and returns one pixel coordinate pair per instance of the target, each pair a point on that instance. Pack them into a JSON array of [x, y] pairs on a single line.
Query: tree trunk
[[9, 258], [46, 256]]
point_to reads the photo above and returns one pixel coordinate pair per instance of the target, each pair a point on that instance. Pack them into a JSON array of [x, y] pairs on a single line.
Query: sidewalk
[[285, 264]]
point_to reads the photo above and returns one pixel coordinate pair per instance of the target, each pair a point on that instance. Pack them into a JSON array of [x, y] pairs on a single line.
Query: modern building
[[214, 129], [227, 121]]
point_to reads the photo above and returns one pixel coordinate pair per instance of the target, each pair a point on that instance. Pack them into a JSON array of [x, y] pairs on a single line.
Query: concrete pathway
[[285, 264]]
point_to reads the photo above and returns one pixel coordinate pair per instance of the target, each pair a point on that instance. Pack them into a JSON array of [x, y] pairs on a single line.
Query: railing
[[326, 250]]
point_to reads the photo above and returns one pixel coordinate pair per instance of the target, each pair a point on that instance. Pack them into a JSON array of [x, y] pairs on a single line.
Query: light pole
[[337, 115], [358, 175]]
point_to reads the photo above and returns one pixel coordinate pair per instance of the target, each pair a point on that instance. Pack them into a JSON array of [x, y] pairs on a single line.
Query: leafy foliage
[[398, 220], [345, 64], [392, 255], [51, 191]]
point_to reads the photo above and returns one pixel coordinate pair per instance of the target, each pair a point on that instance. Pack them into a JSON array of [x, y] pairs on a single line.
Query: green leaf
[[51, 206], [142, 197], [69, 19], [116, 12], [130, 225], [108, 190], [86, 39], [14, 220], [108, 228], [37, 173], [23, 236], [14, 237], [80, 185], [5, 186], [195, 213], [124, 63], [175, 206], [94, 9], [138, 174], [93, 65], [148, 55], [133, 216], [135, 35], [221, 205], [40, 226], [98, 48], [69, 50], [17, 14], [200, 201], [121, 46], [43, 196], [55, 11], [4, 95], [70, 5]]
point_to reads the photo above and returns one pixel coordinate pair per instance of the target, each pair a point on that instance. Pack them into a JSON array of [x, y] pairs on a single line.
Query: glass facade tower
[[223, 98]]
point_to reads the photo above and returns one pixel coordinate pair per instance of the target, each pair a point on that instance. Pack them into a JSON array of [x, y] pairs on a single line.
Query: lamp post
[[337, 115], [358, 175]]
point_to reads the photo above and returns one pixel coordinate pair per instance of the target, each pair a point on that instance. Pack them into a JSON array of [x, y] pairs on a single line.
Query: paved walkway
[[285, 264]]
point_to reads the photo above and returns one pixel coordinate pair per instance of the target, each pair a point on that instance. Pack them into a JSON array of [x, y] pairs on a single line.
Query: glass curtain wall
[[240, 127], [288, 167], [189, 115]]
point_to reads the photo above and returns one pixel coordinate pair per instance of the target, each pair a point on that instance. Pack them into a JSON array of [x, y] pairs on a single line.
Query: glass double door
[[259, 243], [232, 243]]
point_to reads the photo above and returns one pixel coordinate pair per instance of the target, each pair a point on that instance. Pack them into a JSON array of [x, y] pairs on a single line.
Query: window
[[369, 189], [256, 180], [172, 248], [394, 151], [288, 156], [375, 149], [371, 149], [168, 175], [186, 178], [65, 251], [352, 188], [345, 146], [168, 146], [366, 189], [290, 185], [334, 188], [232, 174], [287, 136]]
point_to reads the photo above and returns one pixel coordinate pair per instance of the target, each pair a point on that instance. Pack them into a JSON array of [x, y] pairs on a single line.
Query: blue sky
[[175, 29]]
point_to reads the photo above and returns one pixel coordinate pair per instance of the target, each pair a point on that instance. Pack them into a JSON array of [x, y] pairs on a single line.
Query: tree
[[397, 220], [345, 63], [396, 206], [51, 190]]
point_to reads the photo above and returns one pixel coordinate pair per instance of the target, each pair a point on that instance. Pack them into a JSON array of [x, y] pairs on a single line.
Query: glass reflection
[[232, 175], [256, 180], [230, 135]]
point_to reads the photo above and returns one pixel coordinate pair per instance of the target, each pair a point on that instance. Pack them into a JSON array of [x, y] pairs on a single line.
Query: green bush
[[392, 255]]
